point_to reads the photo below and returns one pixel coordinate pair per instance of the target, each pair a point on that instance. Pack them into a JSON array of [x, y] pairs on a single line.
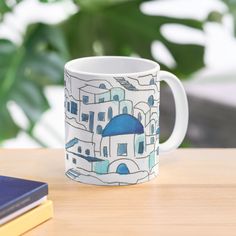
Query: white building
[[110, 129]]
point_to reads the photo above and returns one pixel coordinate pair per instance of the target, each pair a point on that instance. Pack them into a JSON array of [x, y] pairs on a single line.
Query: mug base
[[106, 180]]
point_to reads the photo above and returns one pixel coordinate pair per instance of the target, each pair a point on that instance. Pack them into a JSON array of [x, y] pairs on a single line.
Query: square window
[[84, 117], [101, 116], [85, 99], [101, 100], [74, 108], [74, 161], [122, 149]]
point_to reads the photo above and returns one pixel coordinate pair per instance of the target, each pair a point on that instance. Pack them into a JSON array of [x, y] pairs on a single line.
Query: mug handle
[[181, 110]]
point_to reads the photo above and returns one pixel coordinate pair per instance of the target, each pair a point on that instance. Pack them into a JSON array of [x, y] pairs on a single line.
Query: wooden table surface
[[195, 194]]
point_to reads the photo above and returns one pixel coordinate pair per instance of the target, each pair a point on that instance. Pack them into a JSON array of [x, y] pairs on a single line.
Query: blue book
[[16, 194]]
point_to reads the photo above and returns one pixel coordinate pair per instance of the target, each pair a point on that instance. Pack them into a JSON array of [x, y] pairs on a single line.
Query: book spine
[[29, 220], [25, 200]]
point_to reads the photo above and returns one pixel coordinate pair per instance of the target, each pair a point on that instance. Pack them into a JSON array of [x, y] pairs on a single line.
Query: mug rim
[[69, 66]]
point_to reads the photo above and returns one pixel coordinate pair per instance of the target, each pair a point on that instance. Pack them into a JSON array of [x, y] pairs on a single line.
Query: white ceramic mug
[[112, 119]]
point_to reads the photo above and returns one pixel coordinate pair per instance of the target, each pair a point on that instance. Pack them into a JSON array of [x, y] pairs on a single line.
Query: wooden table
[[195, 194]]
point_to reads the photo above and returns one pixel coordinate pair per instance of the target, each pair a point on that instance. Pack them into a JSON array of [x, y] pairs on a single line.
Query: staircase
[[72, 173], [126, 84]]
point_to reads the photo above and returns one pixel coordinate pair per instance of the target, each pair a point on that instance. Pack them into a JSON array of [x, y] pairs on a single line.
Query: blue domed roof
[[123, 124]]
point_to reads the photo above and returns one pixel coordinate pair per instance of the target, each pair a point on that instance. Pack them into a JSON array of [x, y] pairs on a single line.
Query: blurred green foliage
[[102, 27], [232, 10]]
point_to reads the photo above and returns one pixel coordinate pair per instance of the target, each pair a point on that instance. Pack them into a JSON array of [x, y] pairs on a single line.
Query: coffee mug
[[112, 119]]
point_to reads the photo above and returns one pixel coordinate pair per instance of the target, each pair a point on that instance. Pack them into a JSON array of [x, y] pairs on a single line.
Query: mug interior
[[111, 65]]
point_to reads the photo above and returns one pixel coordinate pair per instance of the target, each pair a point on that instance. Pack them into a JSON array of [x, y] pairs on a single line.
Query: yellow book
[[28, 220]]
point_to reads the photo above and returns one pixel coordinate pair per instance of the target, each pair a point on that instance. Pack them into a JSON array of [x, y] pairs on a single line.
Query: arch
[[125, 110], [110, 113], [102, 86], [131, 165], [152, 81], [122, 169], [99, 129], [151, 100]]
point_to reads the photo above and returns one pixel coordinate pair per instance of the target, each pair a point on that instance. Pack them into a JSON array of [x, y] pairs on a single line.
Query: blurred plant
[[102, 27], [232, 10]]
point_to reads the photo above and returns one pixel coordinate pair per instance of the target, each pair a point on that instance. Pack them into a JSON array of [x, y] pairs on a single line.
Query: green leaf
[[8, 128], [25, 70], [91, 5], [7, 6], [122, 29], [102, 27], [31, 99]]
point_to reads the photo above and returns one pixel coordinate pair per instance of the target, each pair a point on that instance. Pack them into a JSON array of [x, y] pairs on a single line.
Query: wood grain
[[195, 194]]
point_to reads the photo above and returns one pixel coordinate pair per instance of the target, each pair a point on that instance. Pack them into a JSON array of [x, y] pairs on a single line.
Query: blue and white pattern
[[112, 129]]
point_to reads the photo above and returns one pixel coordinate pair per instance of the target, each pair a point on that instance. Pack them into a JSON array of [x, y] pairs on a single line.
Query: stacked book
[[23, 205]]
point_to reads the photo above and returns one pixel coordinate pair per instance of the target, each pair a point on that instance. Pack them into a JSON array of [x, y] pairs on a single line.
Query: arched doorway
[[130, 164], [152, 82], [151, 100], [122, 169], [102, 86], [125, 110]]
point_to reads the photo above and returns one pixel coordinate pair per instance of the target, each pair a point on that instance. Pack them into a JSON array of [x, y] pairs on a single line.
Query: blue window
[[152, 128], [116, 98], [68, 106], [125, 110], [85, 99], [79, 149], [158, 130], [110, 113], [105, 152], [141, 147], [152, 81], [85, 117], [73, 108], [74, 160], [122, 149], [87, 152], [99, 129], [152, 140], [139, 116], [122, 169], [101, 116], [151, 100], [102, 86], [101, 100]]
